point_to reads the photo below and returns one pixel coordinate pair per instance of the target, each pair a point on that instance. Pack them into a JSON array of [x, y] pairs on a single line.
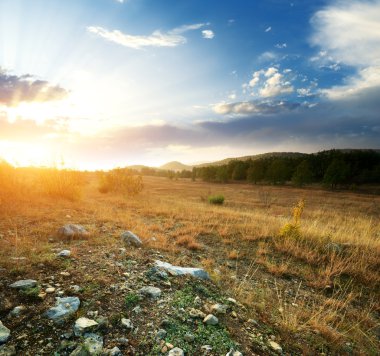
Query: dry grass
[[334, 257]]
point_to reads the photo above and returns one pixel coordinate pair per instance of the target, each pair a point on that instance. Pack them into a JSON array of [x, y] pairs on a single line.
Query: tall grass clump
[[216, 199], [292, 228], [120, 180], [11, 186], [65, 184]]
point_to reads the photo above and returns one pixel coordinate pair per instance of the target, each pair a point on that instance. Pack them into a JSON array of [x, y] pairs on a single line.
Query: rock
[[64, 253], [152, 292], [112, 352], [189, 337], [275, 346], [5, 333], [84, 325], [161, 334], [50, 290], [206, 348], [180, 271], [71, 230], [7, 350], [93, 343], [24, 284], [219, 309], [75, 288], [156, 274], [130, 238], [16, 311], [176, 352], [211, 320], [64, 307], [232, 352], [196, 313], [122, 341], [127, 323], [232, 300], [65, 274]]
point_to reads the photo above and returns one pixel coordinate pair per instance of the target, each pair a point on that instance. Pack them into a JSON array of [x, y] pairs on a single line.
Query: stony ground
[[108, 283]]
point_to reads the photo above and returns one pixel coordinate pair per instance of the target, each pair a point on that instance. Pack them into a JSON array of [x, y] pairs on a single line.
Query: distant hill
[[176, 166], [254, 157]]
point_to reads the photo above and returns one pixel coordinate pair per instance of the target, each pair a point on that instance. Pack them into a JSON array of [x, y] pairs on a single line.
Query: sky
[[99, 84]]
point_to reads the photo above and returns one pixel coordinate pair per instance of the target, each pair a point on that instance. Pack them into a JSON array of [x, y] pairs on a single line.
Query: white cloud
[[172, 38], [255, 78], [268, 29], [350, 32], [275, 86], [208, 34], [267, 56], [270, 71], [281, 45]]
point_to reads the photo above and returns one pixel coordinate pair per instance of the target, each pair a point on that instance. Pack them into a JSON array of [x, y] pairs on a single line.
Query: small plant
[[31, 293], [216, 199], [120, 180], [292, 229], [131, 300]]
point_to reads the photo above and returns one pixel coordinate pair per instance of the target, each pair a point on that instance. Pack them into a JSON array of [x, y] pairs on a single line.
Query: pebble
[[152, 292], [24, 284], [127, 323], [5, 333], [211, 320], [275, 346], [219, 309], [176, 352], [50, 290], [64, 253]]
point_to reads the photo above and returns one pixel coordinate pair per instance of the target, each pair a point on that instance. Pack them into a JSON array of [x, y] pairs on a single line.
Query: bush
[[58, 183], [292, 229], [216, 199], [120, 180]]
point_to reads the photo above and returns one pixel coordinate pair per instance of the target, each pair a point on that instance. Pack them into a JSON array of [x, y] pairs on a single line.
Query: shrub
[[216, 199], [120, 180], [56, 183], [292, 228]]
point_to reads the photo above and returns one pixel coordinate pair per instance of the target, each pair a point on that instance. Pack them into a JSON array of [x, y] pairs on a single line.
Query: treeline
[[331, 168]]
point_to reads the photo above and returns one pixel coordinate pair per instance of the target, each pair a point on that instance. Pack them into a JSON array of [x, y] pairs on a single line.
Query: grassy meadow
[[306, 262]]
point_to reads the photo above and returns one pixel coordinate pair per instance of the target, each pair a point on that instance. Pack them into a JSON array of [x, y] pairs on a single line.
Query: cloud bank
[[25, 88]]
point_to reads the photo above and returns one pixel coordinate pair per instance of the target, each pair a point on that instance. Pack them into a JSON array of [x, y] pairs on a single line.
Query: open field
[[314, 290]]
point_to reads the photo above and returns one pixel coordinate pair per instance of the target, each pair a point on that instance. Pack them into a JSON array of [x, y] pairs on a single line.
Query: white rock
[[152, 292], [219, 309], [50, 290], [5, 333], [234, 353], [127, 323], [176, 352], [84, 325], [275, 346], [64, 253], [130, 238], [72, 230], [211, 320], [16, 311], [93, 343], [180, 271]]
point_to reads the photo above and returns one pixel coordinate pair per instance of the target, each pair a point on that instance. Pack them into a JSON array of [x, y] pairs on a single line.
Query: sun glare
[[26, 154]]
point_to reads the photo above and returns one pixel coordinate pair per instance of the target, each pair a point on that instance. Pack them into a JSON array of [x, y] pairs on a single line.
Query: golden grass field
[[322, 283]]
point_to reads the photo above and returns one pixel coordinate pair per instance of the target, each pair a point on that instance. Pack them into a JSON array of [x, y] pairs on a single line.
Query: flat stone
[[72, 230], [161, 334], [196, 313], [189, 337], [64, 253], [5, 333], [84, 325], [50, 290], [64, 307], [24, 284], [176, 352], [130, 238], [211, 320], [93, 343], [180, 271], [152, 292]]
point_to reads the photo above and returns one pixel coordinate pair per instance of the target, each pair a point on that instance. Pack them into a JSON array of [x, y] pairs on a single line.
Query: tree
[[278, 171], [256, 172], [303, 174], [337, 173]]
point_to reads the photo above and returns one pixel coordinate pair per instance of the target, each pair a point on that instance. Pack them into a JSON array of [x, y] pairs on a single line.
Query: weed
[[131, 300], [292, 229], [216, 199]]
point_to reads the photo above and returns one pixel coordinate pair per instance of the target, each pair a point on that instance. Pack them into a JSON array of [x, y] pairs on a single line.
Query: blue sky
[[105, 83]]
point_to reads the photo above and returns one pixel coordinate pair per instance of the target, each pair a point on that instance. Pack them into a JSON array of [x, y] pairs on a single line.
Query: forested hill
[[332, 168]]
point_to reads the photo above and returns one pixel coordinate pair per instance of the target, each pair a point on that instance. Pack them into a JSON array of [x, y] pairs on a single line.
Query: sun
[[21, 154]]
